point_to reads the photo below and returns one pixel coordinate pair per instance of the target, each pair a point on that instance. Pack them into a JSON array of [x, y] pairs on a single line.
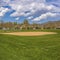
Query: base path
[[30, 33]]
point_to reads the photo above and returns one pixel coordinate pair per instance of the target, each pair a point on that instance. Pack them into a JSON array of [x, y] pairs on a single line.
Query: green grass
[[37, 30], [30, 48]]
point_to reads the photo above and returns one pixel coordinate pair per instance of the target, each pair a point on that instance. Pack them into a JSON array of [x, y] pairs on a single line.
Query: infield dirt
[[29, 33]]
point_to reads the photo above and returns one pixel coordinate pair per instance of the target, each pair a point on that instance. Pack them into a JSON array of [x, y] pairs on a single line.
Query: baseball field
[[35, 45]]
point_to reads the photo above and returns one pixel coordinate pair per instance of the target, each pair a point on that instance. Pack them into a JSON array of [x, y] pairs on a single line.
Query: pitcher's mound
[[30, 33]]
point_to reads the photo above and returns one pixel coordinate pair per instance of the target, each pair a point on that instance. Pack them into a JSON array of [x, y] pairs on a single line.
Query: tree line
[[26, 25]]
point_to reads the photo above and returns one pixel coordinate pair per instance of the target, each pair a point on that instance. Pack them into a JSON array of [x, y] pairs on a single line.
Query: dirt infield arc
[[30, 33]]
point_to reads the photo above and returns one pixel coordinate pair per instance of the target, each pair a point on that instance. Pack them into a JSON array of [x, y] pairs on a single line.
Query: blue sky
[[34, 10]]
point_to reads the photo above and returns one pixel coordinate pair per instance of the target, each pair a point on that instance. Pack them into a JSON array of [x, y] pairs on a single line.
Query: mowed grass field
[[46, 47]]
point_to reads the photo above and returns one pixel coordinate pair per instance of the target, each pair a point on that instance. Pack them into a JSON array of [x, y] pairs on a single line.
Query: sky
[[38, 11]]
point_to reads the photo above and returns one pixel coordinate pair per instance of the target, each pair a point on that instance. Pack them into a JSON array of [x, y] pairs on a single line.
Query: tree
[[26, 24], [1, 24]]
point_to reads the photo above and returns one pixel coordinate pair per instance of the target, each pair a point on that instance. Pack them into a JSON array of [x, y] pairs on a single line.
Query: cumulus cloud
[[29, 8], [22, 6], [7, 1], [31, 17], [17, 14], [55, 2], [44, 16], [17, 18], [3, 11]]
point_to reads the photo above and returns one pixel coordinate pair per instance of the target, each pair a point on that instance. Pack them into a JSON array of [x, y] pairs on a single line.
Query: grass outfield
[[30, 48]]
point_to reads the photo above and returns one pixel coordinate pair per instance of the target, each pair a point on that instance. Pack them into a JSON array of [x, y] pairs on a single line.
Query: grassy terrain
[[30, 30], [30, 48]]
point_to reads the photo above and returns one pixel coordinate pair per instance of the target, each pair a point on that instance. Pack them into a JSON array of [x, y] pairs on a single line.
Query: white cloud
[[7, 1], [17, 18], [21, 6], [17, 14], [29, 8], [30, 17], [44, 16], [32, 8], [55, 2], [3, 11], [27, 14]]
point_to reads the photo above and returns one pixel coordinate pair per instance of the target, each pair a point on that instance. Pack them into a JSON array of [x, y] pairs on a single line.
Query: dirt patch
[[30, 33]]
